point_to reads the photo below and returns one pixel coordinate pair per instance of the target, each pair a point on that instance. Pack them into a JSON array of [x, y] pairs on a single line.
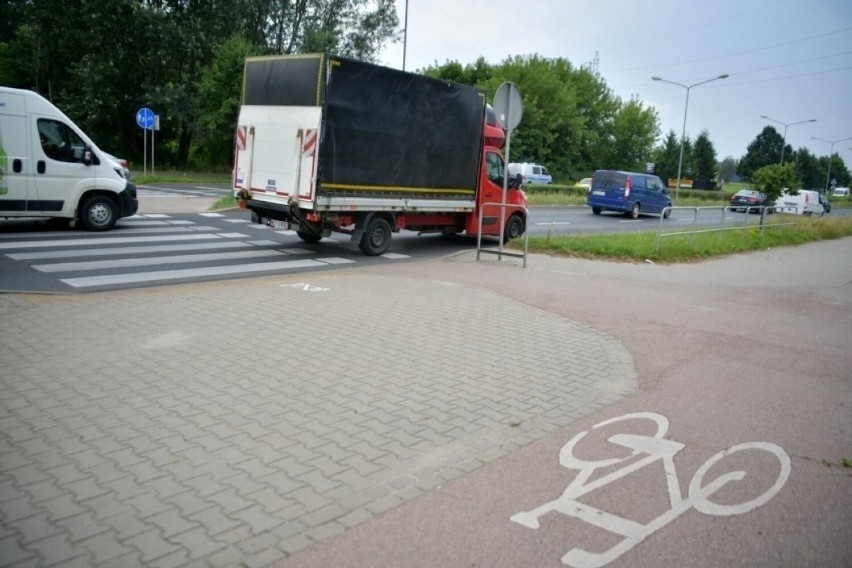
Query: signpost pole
[[145, 119]]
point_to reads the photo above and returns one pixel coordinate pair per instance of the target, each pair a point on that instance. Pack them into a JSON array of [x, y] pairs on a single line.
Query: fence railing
[[721, 226]]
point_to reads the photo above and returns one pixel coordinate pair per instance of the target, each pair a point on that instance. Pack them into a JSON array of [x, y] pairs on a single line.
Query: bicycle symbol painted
[[652, 448]]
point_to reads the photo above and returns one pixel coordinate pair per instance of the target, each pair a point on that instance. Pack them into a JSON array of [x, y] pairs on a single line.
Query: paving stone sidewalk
[[237, 423]]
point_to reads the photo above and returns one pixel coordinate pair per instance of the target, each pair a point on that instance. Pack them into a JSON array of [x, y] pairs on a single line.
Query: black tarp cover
[[385, 132]]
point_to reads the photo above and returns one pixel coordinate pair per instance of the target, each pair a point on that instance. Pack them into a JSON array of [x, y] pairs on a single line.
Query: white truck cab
[[50, 168]]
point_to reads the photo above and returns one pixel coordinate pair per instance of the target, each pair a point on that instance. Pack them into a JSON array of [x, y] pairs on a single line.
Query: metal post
[[682, 142], [683, 132], [405, 36], [830, 154], [786, 125], [144, 151]]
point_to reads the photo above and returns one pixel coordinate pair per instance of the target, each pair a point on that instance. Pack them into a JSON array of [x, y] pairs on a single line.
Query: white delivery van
[[530, 173], [806, 202], [841, 192], [50, 168]]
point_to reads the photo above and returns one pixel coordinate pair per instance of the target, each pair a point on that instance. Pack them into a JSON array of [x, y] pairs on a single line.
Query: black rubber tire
[[514, 228], [634, 212], [596, 210], [376, 238], [309, 237], [98, 213], [667, 213]]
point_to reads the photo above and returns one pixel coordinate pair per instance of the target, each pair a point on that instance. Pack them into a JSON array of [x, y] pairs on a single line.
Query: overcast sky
[[790, 60]]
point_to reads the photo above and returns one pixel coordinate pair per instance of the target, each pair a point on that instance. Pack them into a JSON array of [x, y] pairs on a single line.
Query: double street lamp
[[786, 125], [685, 107], [830, 154]]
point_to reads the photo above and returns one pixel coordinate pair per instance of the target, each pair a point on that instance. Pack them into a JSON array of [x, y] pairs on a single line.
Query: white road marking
[[115, 240], [335, 260], [136, 250], [211, 214], [645, 450], [305, 287], [164, 275], [154, 260]]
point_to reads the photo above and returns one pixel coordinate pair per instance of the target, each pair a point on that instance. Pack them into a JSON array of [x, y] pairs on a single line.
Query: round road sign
[[508, 105], [145, 118]]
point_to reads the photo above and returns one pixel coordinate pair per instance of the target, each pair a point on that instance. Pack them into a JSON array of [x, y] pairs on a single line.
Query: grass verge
[[639, 247]]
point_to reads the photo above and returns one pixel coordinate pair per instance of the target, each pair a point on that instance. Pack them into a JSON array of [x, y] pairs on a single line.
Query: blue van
[[631, 193]]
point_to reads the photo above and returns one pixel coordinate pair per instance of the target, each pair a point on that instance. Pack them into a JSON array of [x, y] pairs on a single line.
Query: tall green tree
[[704, 156], [634, 131], [666, 157], [808, 169], [837, 176], [764, 150], [219, 92]]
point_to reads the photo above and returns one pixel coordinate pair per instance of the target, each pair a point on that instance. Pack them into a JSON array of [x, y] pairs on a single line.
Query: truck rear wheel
[[376, 238], [98, 213]]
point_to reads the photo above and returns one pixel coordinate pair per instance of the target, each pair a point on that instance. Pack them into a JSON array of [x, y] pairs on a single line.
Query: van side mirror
[[87, 155]]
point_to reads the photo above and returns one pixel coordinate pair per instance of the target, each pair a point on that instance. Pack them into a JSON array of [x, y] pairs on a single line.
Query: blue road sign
[[145, 118]]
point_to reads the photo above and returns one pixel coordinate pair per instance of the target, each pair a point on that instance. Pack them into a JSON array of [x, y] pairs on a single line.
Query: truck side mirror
[[87, 155], [515, 182]]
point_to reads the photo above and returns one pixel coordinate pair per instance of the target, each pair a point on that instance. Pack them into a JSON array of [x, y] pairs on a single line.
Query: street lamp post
[[786, 125], [685, 107], [405, 36], [830, 154]]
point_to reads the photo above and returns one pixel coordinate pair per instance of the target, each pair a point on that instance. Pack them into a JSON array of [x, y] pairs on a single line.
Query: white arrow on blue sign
[[145, 118]]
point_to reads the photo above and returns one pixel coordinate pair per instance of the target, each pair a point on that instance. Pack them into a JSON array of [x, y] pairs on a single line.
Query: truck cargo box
[[342, 130]]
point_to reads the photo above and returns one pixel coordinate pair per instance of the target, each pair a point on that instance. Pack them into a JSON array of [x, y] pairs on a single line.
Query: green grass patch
[[639, 247], [181, 177]]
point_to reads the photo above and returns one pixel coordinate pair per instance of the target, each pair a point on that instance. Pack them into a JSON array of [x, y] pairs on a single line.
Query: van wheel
[[309, 237], [668, 212], [634, 212], [98, 213], [596, 210], [376, 239], [514, 228]]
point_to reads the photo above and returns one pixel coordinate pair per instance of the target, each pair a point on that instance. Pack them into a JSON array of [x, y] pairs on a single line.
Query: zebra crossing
[[159, 249]]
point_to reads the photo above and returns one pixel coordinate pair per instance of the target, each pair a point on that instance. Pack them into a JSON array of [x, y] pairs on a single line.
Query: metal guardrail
[[763, 210], [500, 252]]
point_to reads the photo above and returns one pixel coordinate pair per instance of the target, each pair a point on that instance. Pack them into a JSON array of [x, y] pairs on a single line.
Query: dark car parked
[[749, 200]]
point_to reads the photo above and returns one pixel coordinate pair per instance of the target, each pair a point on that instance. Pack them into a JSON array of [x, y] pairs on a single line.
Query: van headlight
[[120, 172]]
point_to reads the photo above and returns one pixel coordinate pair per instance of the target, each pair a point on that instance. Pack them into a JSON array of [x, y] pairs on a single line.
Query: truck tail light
[[627, 185]]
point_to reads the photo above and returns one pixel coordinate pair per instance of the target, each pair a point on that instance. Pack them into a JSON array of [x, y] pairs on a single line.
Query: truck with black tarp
[[331, 144]]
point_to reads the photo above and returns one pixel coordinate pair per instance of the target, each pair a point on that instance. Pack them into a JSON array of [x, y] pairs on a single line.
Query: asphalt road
[[176, 239]]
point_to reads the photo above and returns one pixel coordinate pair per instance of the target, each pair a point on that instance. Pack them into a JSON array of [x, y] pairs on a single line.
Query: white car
[[124, 164], [841, 192]]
